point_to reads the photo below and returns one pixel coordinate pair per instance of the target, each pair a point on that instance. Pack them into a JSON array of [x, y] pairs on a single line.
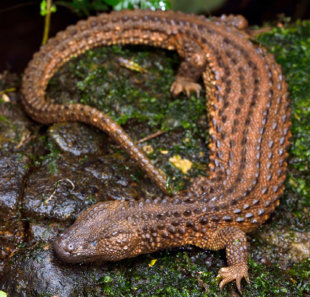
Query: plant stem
[[47, 21]]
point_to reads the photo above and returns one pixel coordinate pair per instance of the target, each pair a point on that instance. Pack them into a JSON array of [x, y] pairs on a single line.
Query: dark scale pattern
[[249, 126]]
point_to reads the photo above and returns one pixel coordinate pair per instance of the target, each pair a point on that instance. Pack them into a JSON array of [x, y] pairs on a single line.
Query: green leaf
[[112, 2], [155, 4], [143, 4], [43, 8], [53, 8]]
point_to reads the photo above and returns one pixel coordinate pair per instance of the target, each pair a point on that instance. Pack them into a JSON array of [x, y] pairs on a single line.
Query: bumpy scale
[[249, 126]]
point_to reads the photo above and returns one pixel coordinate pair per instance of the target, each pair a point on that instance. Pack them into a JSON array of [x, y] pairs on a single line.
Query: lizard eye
[[70, 247]]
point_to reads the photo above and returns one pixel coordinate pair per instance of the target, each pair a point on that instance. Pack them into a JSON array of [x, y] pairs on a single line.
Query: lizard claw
[[183, 85], [234, 272]]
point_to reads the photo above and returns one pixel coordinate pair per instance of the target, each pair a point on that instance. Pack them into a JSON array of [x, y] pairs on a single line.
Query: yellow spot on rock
[[148, 149], [164, 152], [131, 65], [183, 164], [5, 98], [152, 263]]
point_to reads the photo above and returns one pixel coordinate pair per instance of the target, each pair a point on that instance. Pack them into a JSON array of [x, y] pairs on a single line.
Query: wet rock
[[13, 170], [13, 128], [34, 272], [78, 139], [288, 246], [43, 232], [76, 184], [14, 167]]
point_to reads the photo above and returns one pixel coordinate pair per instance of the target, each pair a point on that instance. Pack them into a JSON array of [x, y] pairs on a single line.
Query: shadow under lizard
[[249, 116]]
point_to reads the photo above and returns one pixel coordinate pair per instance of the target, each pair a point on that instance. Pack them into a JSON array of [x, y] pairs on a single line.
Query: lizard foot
[[234, 272], [183, 85]]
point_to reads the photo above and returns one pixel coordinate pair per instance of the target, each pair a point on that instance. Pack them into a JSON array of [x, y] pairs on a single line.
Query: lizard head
[[102, 232]]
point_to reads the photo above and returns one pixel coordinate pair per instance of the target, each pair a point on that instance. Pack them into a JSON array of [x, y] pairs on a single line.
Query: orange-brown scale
[[249, 128]]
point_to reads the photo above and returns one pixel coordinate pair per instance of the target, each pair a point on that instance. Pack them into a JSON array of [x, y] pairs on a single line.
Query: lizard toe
[[234, 272], [182, 85]]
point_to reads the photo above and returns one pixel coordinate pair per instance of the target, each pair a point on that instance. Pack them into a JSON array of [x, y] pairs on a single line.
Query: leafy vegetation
[[86, 7]]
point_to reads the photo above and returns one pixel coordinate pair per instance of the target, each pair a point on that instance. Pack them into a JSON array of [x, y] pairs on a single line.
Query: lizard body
[[249, 112]]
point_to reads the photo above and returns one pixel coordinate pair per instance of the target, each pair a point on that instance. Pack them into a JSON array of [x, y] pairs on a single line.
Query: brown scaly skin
[[249, 126]]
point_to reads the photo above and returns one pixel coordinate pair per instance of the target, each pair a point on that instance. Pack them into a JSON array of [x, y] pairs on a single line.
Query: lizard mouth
[[63, 251], [66, 252]]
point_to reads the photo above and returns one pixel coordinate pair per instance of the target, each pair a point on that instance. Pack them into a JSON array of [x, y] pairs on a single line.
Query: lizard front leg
[[190, 69]]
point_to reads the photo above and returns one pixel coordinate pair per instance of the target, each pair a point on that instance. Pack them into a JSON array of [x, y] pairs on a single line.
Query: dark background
[[21, 25]]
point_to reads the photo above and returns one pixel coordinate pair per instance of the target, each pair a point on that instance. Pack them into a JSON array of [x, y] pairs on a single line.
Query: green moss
[[132, 85], [52, 156], [267, 282], [181, 277], [4, 119], [300, 274]]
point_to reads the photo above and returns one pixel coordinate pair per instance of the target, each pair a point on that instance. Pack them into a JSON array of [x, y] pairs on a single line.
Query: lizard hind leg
[[234, 241]]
